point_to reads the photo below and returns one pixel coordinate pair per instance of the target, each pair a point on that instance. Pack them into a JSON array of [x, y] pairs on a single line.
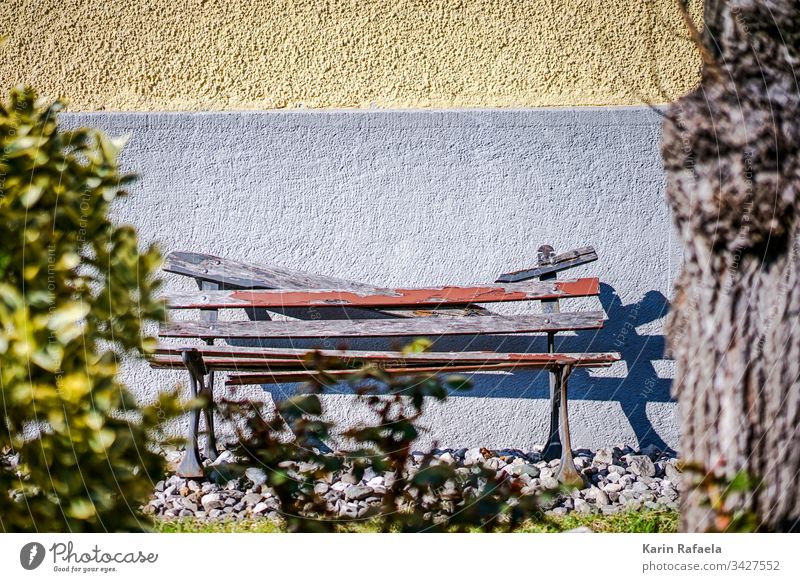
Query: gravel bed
[[616, 479]]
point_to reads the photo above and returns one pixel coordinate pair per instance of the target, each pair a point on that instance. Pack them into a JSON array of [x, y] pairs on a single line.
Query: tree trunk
[[730, 151]]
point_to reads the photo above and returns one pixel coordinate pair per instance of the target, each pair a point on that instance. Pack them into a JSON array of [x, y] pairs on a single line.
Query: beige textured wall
[[263, 54]]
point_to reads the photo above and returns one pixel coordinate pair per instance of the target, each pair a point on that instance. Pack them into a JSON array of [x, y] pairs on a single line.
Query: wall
[[403, 142], [241, 54], [425, 198]]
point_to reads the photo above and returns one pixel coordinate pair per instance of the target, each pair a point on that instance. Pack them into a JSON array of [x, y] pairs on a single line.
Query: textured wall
[[422, 198], [244, 54]]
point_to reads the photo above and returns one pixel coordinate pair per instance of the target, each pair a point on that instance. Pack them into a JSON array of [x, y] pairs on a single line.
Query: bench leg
[[191, 467], [209, 315], [553, 448], [208, 412], [567, 474]]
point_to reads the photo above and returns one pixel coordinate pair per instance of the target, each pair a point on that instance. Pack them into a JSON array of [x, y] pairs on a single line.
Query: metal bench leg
[[208, 412], [567, 473], [553, 448], [191, 466], [209, 315]]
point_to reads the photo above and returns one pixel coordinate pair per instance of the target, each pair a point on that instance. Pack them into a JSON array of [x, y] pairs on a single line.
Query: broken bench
[[345, 309]]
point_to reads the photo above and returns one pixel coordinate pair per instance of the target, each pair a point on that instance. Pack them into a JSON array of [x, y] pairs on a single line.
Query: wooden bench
[[325, 308]]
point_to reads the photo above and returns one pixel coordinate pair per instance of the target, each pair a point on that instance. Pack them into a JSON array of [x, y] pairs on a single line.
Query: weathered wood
[[278, 377], [231, 274], [236, 274], [560, 262], [436, 296], [299, 354], [233, 362], [430, 326]]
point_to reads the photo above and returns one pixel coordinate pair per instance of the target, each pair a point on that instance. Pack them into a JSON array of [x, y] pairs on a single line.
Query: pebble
[[642, 465], [549, 483], [473, 457], [357, 492], [672, 473], [604, 456], [211, 501], [616, 478], [257, 476], [251, 499]]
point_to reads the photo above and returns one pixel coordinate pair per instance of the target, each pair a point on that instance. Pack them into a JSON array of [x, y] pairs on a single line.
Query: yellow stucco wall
[[263, 54]]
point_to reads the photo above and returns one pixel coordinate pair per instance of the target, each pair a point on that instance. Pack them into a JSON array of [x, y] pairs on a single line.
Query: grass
[[651, 521]]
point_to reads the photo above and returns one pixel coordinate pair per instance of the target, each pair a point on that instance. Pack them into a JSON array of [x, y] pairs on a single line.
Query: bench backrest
[[227, 284]]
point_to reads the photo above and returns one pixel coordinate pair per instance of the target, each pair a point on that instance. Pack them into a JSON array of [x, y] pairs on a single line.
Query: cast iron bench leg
[[208, 412], [209, 315], [191, 466], [567, 473], [552, 449]]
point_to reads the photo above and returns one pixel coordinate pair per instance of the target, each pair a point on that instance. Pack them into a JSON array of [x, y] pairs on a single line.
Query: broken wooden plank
[[560, 262], [231, 274], [428, 326], [237, 274], [410, 298]]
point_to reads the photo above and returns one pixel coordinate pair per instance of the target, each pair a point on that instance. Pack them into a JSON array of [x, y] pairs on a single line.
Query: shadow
[[633, 382]]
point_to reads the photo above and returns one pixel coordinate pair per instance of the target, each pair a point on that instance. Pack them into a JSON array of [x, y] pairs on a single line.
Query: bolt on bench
[[346, 309]]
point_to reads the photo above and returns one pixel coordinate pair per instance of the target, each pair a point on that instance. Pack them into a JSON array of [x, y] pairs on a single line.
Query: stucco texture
[[231, 55], [421, 198]]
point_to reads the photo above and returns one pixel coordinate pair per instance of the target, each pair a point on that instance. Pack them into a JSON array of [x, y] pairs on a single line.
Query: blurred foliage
[[718, 493], [75, 292], [429, 496]]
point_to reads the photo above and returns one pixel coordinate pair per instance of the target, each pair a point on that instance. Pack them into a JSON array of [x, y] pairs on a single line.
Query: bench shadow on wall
[[638, 385]]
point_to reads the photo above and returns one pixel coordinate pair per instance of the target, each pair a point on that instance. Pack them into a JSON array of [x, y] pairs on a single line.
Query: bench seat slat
[[435, 296], [299, 354], [399, 359], [429, 326], [300, 375]]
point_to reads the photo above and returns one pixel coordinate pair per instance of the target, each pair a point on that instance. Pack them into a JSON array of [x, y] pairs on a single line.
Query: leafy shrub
[[433, 497], [75, 291]]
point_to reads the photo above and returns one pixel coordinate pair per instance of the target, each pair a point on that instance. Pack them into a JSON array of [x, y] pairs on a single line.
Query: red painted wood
[[300, 354], [473, 360], [434, 296]]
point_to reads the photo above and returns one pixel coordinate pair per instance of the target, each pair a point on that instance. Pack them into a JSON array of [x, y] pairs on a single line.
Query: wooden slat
[[231, 274], [300, 354], [239, 275], [393, 359], [411, 298], [282, 376], [429, 326], [561, 262]]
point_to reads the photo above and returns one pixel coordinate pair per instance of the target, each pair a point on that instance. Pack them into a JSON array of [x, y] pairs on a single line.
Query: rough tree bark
[[730, 151]]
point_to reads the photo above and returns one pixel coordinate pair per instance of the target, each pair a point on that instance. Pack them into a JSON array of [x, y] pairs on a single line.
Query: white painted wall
[[432, 197]]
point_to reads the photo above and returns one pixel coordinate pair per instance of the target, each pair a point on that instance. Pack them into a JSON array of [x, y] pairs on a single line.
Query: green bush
[[436, 497], [75, 293]]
